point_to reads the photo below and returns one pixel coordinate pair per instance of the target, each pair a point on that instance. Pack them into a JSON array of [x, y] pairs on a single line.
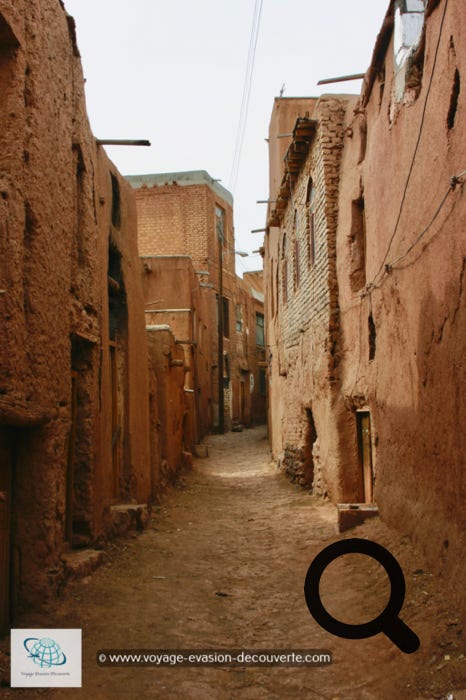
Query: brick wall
[[303, 307]]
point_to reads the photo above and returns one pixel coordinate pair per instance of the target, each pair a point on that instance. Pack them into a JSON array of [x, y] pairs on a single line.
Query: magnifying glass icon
[[388, 621]]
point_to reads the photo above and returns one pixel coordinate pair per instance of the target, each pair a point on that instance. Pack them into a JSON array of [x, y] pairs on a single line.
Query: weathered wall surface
[[283, 119], [174, 298], [177, 217], [403, 334], [64, 215], [168, 366], [303, 300]]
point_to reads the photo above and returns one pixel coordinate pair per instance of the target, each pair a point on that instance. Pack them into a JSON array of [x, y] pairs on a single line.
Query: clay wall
[[172, 408], [402, 288], [66, 217], [174, 297]]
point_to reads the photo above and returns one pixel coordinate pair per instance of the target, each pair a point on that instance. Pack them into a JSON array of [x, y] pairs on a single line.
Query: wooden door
[[6, 452], [365, 455]]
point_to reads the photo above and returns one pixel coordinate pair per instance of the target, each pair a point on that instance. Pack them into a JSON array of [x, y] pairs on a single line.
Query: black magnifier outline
[[388, 621]]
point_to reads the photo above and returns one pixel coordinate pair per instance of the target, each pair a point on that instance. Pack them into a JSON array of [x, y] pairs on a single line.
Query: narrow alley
[[221, 566]]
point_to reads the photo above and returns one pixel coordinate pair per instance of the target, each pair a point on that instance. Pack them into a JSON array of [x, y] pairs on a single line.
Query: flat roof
[[183, 179]]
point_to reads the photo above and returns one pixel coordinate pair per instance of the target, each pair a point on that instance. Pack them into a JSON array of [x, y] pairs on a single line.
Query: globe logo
[[44, 652]]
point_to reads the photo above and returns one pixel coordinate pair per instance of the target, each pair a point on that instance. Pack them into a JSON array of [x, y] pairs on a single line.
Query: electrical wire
[[246, 96]]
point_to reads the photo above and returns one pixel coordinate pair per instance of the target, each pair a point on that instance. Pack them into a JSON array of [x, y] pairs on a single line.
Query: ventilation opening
[[372, 337], [116, 216], [284, 271], [358, 245], [454, 100], [310, 213]]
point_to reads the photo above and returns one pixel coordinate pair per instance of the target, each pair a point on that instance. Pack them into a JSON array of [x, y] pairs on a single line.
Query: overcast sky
[[173, 73]]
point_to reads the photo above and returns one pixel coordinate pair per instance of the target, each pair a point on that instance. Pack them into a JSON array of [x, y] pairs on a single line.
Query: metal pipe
[[123, 142], [341, 78]]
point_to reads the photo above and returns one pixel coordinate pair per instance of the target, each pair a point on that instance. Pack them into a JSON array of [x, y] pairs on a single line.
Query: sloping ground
[[236, 527]]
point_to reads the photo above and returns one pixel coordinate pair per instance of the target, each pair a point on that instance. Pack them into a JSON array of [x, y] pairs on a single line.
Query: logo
[[46, 658], [44, 652], [388, 621]]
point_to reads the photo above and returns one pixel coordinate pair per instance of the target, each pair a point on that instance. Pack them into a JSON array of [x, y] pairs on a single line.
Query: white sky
[[173, 73]]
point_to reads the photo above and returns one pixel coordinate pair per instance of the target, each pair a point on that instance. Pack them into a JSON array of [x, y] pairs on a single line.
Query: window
[[372, 337], [116, 219], [296, 250], [454, 100], [358, 245], [260, 336], [220, 224], [310, 210], [262, 381], [284, 272], [226, 317], [409, 23], [239, 318]]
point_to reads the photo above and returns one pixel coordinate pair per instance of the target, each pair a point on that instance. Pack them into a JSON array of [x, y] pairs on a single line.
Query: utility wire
[[413, 159], [246, 96]]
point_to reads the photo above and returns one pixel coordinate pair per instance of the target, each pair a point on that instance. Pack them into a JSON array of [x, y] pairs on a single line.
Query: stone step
[[82, 562], [352, 514], [128, 516]]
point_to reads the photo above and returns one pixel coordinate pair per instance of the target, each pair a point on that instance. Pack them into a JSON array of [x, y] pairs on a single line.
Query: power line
[[246, 95], [413, 159]]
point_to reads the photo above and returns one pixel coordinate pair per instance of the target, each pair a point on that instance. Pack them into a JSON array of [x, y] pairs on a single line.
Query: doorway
[[309, 439], [366, 475]]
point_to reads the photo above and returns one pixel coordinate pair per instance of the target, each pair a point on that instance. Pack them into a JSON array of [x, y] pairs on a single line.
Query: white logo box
[[46, 658]]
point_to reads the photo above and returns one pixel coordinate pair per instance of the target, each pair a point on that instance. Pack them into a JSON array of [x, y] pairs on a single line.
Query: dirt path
[[236, 526]]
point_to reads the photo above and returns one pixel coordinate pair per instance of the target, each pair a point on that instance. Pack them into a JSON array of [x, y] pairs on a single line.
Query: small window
[[262, 381], [310, 211], [239, 318], [260, 334], [284, 271], [297, 270], [453, 100], [220, 224], [372, 337], [116, 216], [226, 318], [358, 245]]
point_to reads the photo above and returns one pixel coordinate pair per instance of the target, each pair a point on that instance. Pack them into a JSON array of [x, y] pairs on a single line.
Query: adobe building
[[175, 300], [302, 295], [401, 248], [74, 397], [191, 214], [254, 348], [364, 273]]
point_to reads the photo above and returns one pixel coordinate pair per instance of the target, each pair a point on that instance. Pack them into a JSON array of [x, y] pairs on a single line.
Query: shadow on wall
[[422, 481]]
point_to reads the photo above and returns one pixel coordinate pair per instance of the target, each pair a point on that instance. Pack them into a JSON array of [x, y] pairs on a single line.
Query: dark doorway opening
[[118, 331], [309, 440]]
